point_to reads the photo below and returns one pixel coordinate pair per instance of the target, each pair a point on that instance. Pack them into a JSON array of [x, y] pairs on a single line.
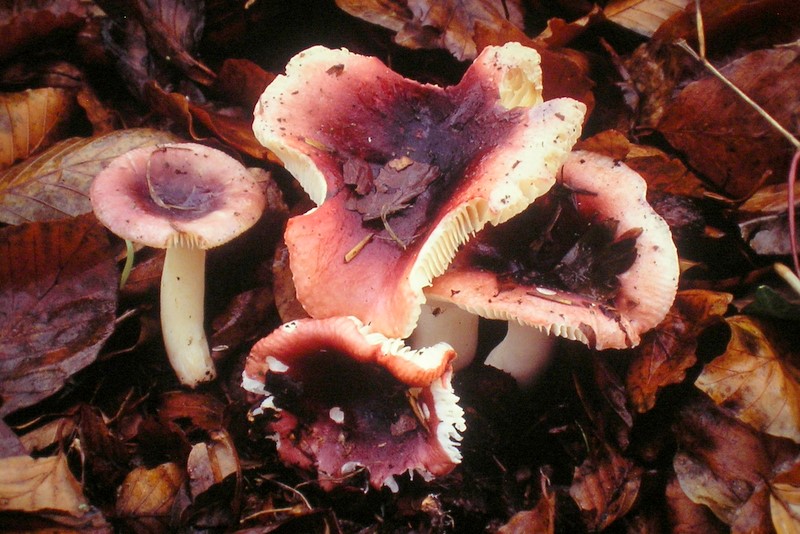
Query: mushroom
[[186, 198], [403, 173], [347, 397], [590, 261]]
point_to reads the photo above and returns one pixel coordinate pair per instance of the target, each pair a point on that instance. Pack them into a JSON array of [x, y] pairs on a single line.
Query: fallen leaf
[[25, 25], [242, 321], [241, 81], [32, 120], [784, 501], [754, 380], [605, 487], [668, 351], [148, 495], [39, 485], [56, 183], [541, 519], [449, 25], [10, 444], [210, 463], [55, 431], [202, 410], [726, 139], [725, 464], [234, 127], [768, 302], [57, 305], [763, 219], [642, 16], [688, 517]]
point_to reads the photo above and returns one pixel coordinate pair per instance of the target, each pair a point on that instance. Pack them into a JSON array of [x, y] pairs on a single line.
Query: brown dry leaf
[[56, 183], [643, 16], [605, 486], [754, 381], [211, 463], [763, 219], [559, 33], [726, 465], [450, 25], [233, 126], [541, 519], [784, 501], [723, 137], [58, 302], [203, 410], [242, 82], [150, 493], [668, 351], [40, 485], [242, 321], [42, 437], [32, 120], [688, 517]]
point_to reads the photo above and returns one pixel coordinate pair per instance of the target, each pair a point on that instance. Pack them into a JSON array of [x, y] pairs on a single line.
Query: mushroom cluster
[[403, 175]]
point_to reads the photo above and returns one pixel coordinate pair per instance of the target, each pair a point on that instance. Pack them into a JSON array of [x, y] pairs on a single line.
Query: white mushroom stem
[[440, 321], [523, 353], [182, 314]]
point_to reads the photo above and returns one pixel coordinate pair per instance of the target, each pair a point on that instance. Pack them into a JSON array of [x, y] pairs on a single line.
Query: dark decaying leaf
[[763, 219], [10, 444], [57, 305], [723, 137], [241, 82], [755, 380], [668, 351], [767, 302], [56, 183], [450, 25], [202, 410], [28, 25], [605, 486], [31, 121]]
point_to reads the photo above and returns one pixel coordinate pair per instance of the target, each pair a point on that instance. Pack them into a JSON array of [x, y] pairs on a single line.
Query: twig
[[787, 274], [792, 224]]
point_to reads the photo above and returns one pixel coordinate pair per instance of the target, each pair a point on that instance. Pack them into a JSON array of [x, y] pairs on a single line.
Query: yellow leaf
[[31, 121], [754, 382], [150, 492], [643, 16], [784, 501], [40, 484]]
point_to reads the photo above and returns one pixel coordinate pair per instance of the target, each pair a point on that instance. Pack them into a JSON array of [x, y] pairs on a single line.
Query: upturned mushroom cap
[[176, 193], [405, 172], [608, 190], [348, 397]]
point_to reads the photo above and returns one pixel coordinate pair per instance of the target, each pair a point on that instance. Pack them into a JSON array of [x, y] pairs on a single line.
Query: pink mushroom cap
[[605, 190], [355, 134], [348, 398]]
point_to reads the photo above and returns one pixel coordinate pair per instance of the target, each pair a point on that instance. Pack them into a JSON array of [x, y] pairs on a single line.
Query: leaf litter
[[695, 429]]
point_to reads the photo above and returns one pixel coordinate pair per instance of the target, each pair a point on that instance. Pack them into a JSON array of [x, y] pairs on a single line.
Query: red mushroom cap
[[348, 397], [405, 172], [178, 192], [607, 190]]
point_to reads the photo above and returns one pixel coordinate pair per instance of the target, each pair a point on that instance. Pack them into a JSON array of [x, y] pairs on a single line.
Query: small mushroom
[[403, 173], [590, 261], [347, 397], [185, 198]]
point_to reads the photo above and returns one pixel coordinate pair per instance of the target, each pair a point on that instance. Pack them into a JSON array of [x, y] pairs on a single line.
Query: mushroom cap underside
[[612, 191], [347, 397], [177, 193]]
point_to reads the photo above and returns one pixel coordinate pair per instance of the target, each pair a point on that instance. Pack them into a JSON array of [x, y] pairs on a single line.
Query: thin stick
[[787, 274], [792, 225]]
